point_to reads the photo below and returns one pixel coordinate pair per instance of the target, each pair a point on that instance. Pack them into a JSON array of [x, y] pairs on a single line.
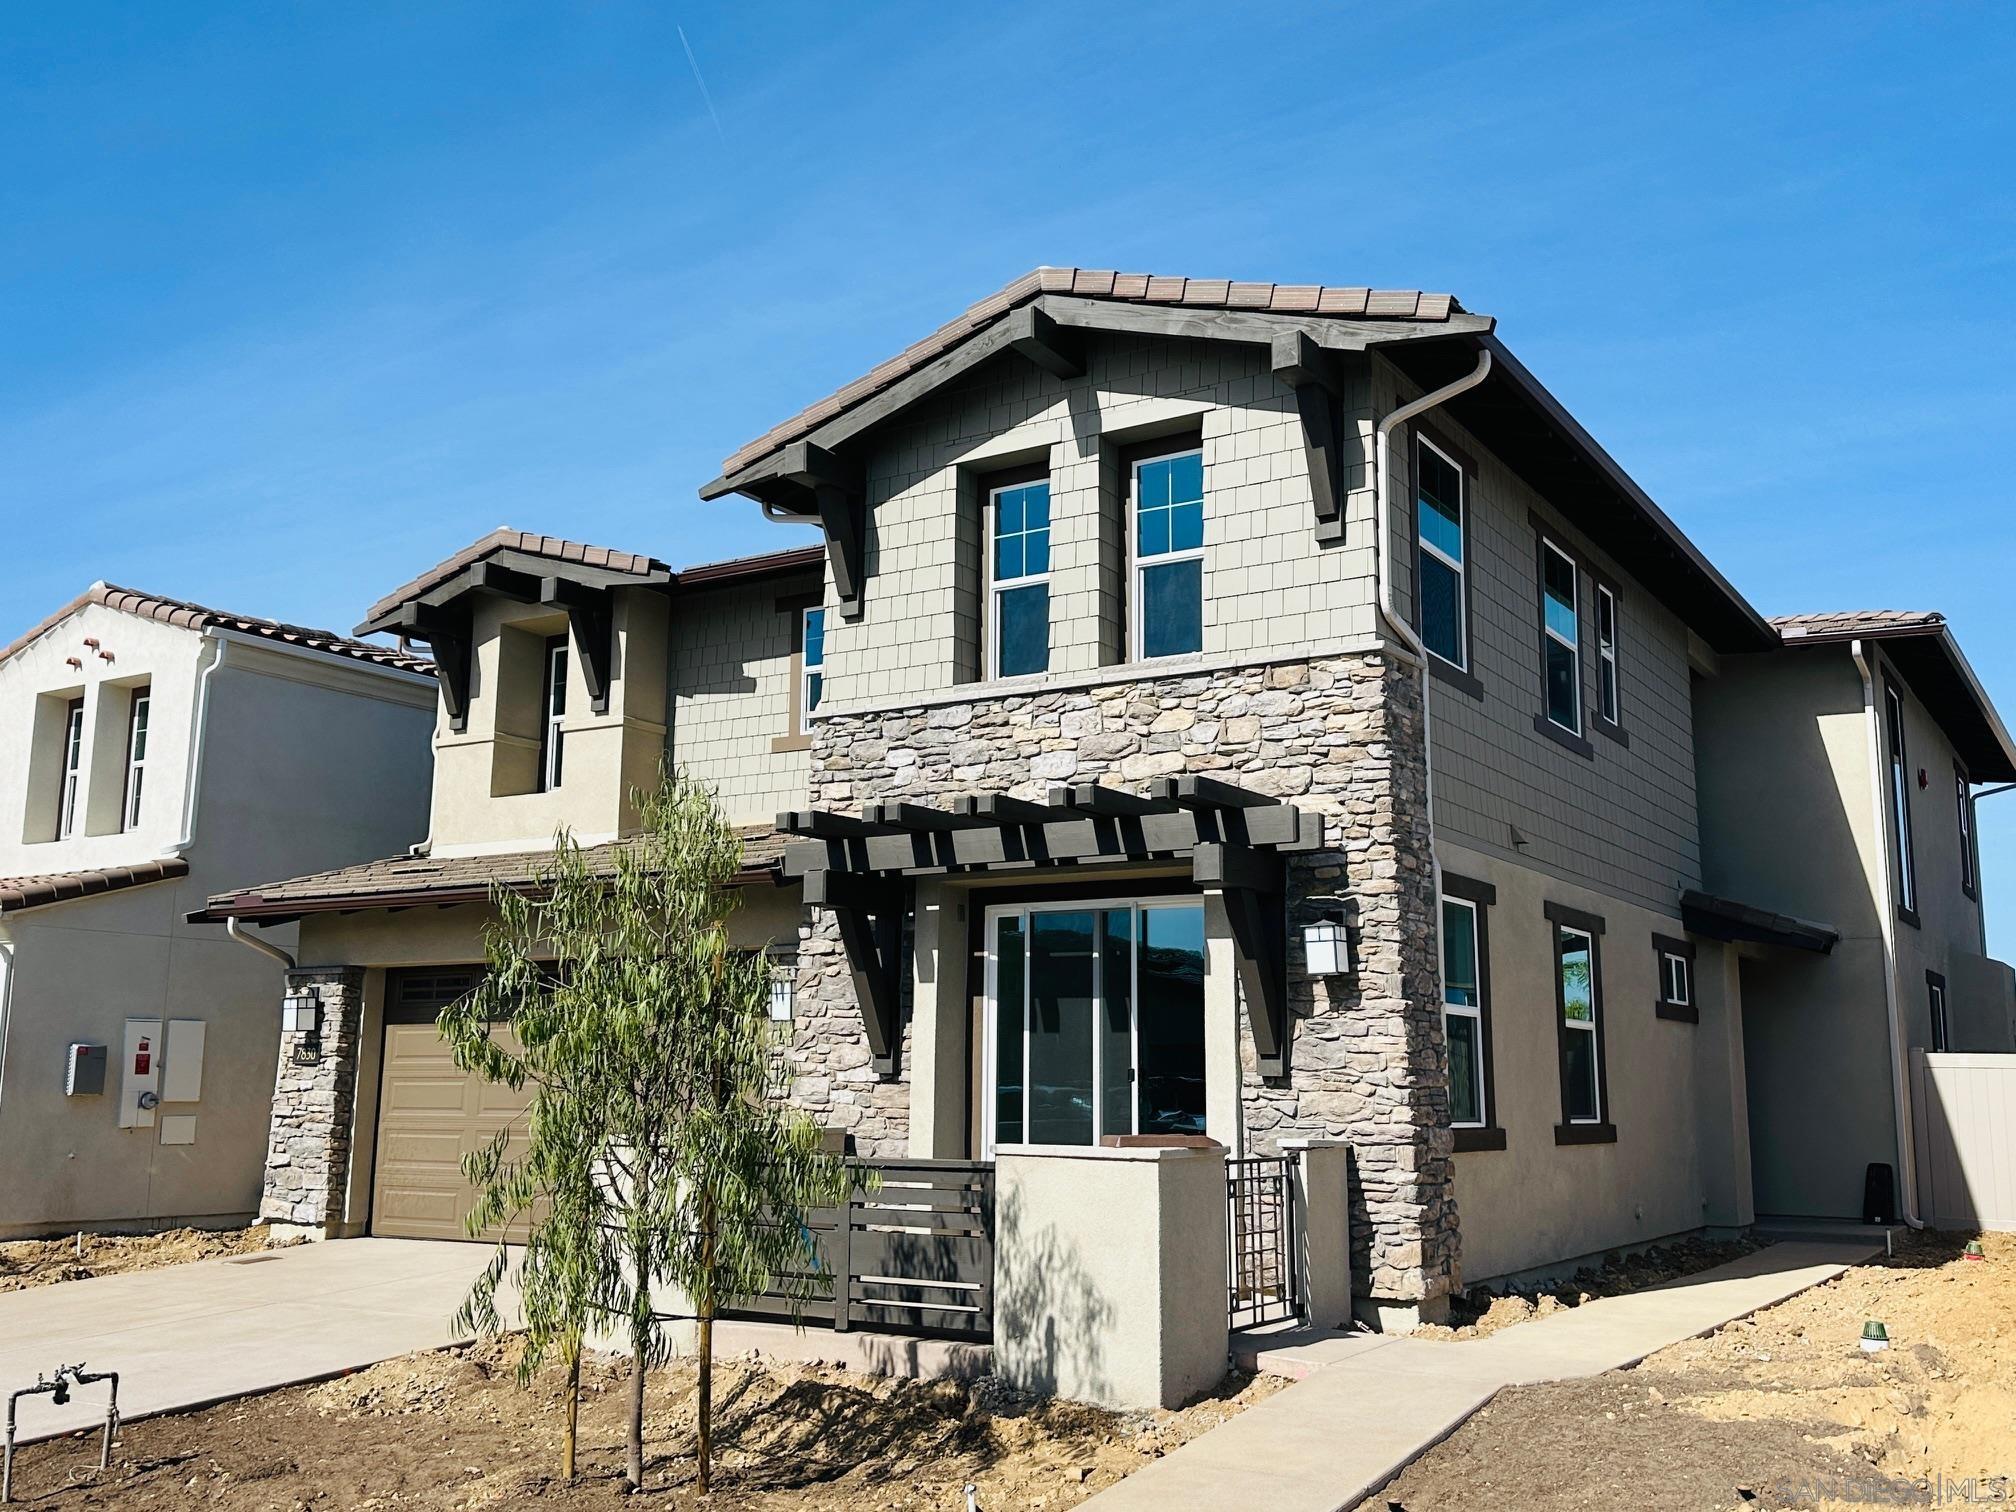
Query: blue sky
[[295, 300]]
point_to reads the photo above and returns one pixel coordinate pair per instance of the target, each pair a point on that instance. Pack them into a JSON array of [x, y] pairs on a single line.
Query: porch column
[[940, 1073], [1722, 1076], [314, 1098]]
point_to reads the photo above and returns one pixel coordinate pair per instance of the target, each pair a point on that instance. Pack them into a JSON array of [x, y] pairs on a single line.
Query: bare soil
[[1779, 1410], [453, 1429], [1482, 1311], [41, 1262]]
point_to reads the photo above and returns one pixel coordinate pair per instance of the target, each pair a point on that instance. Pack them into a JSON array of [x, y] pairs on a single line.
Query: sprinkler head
[[1973, 1250], [1874, 1337]]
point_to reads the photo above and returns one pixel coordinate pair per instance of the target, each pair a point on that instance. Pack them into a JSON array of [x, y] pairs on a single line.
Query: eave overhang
[[1743, 923]]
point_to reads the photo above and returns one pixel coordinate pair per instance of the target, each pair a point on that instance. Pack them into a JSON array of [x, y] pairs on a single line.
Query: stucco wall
[[733, 654]]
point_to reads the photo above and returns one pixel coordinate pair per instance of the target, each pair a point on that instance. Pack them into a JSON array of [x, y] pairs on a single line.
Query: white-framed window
[[1963, 800], [136, 755], [73, 769], [1463, 1011], [553, 714], [1167, 544], [811, 662], [1935, 992], [1561, 636], [1441, 526], [1094, 1021], [1906, 867], [1676, 979], [1580, 1003], [1018, 579], [1606, 655]]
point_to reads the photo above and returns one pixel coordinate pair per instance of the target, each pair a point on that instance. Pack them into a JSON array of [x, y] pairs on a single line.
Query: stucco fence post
[[1322, 1239], [314, 1098], [1109, 1273]]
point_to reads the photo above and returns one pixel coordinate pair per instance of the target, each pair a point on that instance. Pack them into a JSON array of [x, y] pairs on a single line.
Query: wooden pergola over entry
[[859, 868]]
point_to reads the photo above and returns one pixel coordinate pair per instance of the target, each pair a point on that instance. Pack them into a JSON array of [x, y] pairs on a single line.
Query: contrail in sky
[[706, 98]]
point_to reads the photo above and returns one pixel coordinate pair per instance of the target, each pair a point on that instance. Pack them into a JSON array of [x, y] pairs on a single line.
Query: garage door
[[430, 1113]]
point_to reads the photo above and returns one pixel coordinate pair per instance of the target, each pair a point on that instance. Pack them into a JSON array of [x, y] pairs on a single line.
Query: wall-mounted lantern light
[[1326, 942], [301, 1011]]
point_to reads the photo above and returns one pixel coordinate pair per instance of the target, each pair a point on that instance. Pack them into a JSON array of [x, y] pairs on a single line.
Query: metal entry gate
[[1260, 1241]]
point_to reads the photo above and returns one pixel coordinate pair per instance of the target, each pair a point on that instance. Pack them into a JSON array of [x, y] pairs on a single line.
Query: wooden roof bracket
[[446, 630], [1253, 886], [591, 625], [869, 912], [1312, 372]]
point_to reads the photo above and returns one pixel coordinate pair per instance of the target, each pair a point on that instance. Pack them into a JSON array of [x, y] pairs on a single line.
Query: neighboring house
[[1153, 611], [1837, 786], [568, 673], [151, 751]]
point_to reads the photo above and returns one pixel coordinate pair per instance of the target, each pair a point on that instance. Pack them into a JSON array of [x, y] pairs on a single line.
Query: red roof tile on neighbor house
[[17, 893], [196, 617], [1094, 283]]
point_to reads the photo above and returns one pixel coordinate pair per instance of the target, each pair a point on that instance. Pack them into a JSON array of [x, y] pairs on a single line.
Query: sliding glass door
[[1095, 1021]]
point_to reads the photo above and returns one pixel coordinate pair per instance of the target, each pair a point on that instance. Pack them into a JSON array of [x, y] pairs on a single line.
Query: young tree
[[655, 1158]]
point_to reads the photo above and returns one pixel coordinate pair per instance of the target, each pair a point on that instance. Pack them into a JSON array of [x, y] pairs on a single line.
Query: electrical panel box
[[182, 1065], [140, 1074], [84, 1071]]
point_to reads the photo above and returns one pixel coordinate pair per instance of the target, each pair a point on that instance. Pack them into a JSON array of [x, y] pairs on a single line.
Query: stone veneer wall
[[1340, 737], [308, 1145]]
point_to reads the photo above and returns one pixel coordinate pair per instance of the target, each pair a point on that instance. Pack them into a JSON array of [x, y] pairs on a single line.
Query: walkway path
[[1370, 1404], [186, 1335]]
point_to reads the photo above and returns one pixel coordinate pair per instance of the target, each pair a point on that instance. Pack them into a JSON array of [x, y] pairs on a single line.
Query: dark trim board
[[1680, 1013], [1585, 1133]]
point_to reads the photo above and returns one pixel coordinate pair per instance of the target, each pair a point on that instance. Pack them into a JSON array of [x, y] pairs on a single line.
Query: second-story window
[[1906, 869], [1935, 993], [812, 680], [1606, 655], [1169, 554], [1019, 569], [552, 714], [1963, 800], [136, 756], [73, 769], [1561, 636], [1442, 530]]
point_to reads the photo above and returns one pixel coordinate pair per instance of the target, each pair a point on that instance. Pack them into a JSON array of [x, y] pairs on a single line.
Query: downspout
[[1900, 1079], [1414, 651], [236, 929], [6, 998], [199, 732]]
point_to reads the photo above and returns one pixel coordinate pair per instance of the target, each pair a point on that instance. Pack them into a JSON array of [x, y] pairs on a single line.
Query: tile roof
[[17, 893], [504, 538], [442, 879], [190, 616], [1126, 288], [1847, 623]]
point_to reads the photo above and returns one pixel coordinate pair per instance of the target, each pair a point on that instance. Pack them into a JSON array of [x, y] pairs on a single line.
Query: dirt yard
[[39, 1262], [453, 1430], [1777, 1411]]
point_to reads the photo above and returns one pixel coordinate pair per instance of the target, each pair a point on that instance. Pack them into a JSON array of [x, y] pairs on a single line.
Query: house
[[1229, 780], [1861, 818], [151, 751]]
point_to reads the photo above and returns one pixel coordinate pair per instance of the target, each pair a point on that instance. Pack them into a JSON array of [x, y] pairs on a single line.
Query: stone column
[[314, 1102]]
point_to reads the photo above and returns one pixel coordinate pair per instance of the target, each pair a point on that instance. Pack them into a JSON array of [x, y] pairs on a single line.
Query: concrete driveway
[[190, 1334]]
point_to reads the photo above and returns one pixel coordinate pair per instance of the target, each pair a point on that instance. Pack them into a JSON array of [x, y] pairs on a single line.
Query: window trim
[[1897, 760], [1970, 854], [1685, 1010], [132, 793], [1544, 723], [1137, 640], [1938, 1003], [1602, 1129], [1460, 675], [1480, 897], [552, 737], [70, 774], [1611, 725], [991, 587], [796, 736]]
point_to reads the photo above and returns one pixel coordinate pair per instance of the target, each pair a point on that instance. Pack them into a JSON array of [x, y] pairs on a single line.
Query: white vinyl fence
[[1964, 1107]]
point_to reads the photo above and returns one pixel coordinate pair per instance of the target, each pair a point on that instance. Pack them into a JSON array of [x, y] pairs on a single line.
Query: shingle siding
[[732, 650], [1623, 821]]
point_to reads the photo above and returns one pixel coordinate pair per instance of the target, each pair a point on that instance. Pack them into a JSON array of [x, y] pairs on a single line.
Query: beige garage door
[[430, 1113]]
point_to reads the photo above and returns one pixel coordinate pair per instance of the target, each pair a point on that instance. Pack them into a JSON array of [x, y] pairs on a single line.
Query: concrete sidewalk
[[190, 1334], [1369, 1404]]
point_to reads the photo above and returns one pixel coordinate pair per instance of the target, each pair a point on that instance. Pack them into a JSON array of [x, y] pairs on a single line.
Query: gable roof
[[403, 881], [18, 893], [1921, 645], [188, 616], [1101, 284]]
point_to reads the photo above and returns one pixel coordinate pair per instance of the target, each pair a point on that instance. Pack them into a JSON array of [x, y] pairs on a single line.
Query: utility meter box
[[84, 1071]]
